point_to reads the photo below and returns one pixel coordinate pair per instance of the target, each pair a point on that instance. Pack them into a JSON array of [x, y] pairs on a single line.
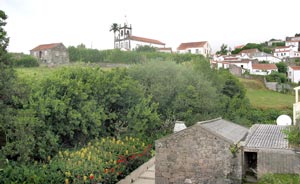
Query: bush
[[102, 161], [276, 77], [22, 60], [279, 178], [293, 135]]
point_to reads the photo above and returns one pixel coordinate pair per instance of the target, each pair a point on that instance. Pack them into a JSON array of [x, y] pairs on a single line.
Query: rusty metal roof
[[266, 136]]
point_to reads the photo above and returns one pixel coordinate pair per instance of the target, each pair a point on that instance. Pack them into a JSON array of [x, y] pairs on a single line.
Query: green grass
[[280, 179], [261, 97]]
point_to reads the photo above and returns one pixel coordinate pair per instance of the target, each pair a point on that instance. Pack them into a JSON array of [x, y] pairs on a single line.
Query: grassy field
[[261, 97]]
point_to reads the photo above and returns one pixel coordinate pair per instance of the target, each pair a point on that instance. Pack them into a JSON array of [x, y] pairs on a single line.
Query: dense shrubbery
[[276, 77], [129, 57], [279, 178], [23, 60], [106, 160]]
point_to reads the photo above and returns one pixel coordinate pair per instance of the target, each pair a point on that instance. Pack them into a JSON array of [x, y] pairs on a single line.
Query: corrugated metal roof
[[266, 136], [231, 131]]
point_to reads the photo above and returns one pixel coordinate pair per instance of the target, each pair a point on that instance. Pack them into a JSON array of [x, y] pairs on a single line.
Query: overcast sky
[[233, 22]]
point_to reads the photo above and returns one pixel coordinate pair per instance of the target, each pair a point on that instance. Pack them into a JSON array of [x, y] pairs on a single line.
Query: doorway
[[250, 165]]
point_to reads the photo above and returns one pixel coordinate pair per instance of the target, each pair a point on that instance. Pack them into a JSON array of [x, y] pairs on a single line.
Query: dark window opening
[[40, 54]]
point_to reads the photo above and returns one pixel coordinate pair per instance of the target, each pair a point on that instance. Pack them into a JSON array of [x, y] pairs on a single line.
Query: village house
[[263, 69], [195, 48], [262, 56], [294, 74], [54, 53], [248, 52], [124, 40], [166, 50], [286, 52], [219, 151]]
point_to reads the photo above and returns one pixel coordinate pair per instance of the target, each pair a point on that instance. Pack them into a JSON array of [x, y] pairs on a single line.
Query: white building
[[294, 73], [262, 56], [263, 69], [284, 52], [195, 48], [126, 41]]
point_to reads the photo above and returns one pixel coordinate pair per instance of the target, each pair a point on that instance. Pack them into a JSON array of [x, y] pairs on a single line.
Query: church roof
[[146, 40], [184, 46]]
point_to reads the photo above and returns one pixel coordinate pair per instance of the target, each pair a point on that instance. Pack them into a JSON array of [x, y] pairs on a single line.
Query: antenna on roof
[[283, 120], [126, 19]]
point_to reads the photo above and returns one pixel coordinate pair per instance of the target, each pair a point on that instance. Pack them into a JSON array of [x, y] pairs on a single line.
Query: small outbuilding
[[54, 53], [207, 152], [267, 151]]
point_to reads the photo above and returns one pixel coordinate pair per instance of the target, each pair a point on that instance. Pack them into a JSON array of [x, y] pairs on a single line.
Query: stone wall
[[277, 161], [195, 155], [58, 55]]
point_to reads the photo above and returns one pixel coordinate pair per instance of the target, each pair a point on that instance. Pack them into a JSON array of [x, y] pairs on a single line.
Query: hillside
[[261, 97]]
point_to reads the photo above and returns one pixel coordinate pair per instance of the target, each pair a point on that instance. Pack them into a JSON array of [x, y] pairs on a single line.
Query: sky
[[72, 22]]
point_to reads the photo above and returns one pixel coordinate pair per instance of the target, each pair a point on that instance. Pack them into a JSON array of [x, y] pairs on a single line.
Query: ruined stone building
[[54, 53]]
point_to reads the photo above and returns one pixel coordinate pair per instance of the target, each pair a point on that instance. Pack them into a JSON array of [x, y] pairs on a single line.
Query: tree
[[297, 34], [282, 67], [223, 50], [7, 80], [114, 27]]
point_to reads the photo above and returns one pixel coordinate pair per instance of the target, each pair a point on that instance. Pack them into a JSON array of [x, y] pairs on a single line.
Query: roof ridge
[[208, 121]]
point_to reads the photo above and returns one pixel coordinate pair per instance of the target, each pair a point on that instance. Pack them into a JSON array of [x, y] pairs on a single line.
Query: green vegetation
[[101, 161], [263, 47], [23, 60], [262, 98], [279, 178]]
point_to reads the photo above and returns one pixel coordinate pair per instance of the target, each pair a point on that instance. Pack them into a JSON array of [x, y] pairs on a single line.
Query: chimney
[[179, 125]]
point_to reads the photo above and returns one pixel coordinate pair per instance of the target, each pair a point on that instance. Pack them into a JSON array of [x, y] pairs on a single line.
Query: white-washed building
[[195, 48], [263, 69], [294, 74]]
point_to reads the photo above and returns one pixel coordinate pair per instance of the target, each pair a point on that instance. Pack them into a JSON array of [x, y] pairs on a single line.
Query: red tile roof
[[184, 46], [45, 46], [147, 40], [249, 51], [264, 66], [295, 67]]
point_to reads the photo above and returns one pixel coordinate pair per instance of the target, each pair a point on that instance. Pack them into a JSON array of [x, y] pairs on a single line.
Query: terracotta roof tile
[[295, 67], [184, 46], [264, 66], [45, 46], [249, 51], [147, 40]]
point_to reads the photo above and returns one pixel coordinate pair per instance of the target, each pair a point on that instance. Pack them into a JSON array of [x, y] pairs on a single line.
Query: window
[[189, 51], [126, 45], [197, 51], [121, 32]]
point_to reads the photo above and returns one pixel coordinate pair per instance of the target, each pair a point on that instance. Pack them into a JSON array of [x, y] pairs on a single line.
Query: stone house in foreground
[[221, 152], [206, 152], [54, 53]]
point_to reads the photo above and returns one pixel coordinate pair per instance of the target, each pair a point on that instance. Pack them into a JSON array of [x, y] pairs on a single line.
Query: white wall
[[293, 75]]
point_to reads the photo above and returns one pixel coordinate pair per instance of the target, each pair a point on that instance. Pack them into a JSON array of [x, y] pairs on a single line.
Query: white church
[[124, 39]]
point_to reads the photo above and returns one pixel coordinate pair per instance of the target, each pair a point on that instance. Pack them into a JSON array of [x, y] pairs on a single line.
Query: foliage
[[23, 60], [293, 135], [278, 44], [181, 91], [297, 34], [223, 50], [282, 67], [276, 77], [101, 161], [261, 47], [279, 178], [145, 48]]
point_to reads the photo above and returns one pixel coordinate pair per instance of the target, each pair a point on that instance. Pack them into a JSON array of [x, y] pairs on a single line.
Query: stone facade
[[196, 155], [55, 53]]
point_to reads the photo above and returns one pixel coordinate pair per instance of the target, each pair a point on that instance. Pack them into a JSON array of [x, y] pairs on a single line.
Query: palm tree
[[114, 27]]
